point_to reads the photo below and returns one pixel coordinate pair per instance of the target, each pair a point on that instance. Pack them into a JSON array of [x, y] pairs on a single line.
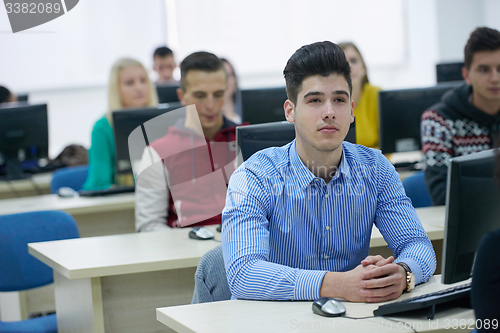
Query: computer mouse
[[328, 307], [201, 233], [66, 192]]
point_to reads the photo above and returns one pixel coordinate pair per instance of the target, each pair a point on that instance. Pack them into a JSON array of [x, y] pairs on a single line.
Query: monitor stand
[[14, 171]]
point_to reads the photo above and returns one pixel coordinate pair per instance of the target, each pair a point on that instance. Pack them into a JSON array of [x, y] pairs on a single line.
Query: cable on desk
[[215, 240], [402, 322]]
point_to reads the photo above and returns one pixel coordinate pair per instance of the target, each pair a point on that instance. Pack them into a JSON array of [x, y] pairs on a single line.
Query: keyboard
[[429, 301], [109, 191]]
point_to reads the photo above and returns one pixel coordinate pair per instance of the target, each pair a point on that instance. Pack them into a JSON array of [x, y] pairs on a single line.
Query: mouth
[[495, 90], [329, 129]]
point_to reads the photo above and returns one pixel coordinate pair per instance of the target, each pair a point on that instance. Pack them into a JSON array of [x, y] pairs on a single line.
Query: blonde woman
[[129, 87], [365, 97]]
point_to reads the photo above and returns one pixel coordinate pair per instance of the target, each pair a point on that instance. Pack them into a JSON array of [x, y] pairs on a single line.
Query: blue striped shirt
[[284, 228]]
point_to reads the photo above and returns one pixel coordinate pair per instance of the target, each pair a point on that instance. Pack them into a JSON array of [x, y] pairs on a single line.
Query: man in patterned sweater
[[467, 119]]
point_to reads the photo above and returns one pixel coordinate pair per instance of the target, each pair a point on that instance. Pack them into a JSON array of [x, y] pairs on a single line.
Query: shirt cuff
[[308, 284], [415, 269]]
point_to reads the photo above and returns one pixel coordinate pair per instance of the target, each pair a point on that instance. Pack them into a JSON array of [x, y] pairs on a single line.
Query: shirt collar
[[305, 176]]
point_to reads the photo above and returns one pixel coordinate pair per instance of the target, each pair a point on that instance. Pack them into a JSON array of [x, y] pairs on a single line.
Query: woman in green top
[[129, 87]]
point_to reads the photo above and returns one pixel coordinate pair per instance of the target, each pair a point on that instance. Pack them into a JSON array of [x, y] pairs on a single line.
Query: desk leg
[[78, 305], [130, 300]]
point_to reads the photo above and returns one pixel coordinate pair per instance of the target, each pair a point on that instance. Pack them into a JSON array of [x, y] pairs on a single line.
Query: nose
[[210, 103], [328, 111], [495, 75]]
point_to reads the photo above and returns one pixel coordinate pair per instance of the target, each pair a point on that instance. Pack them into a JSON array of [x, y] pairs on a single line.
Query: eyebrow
[[318, 93]]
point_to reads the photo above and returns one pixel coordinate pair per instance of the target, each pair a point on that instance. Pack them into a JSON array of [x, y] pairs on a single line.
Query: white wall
[[428, 32]]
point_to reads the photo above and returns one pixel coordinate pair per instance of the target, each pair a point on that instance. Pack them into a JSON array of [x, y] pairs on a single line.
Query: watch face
[[412, 281]]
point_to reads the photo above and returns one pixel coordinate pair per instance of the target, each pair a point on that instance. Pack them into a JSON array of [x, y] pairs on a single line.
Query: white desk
[[112, 283], [95, 216], [267, 316], [115, 283], [39, 183]]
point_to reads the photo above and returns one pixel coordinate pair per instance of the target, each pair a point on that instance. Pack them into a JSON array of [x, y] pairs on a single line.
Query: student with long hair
[[129, 87]]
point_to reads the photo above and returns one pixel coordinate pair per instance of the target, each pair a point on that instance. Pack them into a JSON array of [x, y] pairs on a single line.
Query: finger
[[380, 271], [385, 261], [370, 260], [393, 279], [383, 299], [379, 292]]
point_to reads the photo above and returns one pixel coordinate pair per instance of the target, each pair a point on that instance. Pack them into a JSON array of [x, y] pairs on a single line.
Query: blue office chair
[[19, 270], [417, 190], [73, 177]]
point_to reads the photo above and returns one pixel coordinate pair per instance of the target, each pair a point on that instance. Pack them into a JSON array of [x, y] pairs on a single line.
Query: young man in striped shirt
[[467, 120], [298, 218]]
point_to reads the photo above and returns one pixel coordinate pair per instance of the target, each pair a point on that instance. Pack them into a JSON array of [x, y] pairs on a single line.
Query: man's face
[[206, 91], [484, 77], [165, 66], [322, 113]]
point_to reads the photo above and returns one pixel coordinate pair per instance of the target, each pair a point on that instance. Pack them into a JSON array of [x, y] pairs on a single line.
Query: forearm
[[263, 280], [420, 256]]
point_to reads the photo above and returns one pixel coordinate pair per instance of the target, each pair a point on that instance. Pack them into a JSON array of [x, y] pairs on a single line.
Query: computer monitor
[[472, 209], [126, 121], [22, 97], [447, 72], [167, 93], [24, 138], [252, 138], [400, 112], [263, 105]]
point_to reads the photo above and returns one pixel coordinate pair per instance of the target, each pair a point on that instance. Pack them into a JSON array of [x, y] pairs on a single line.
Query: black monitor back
[[24, 134], [252, 138], [167, 93], [400, 112], [447, 72], [472, 209], [22, 98], [125, 122], [263, 105]]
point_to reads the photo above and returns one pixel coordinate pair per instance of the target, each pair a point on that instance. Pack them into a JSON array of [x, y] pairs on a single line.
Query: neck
[[211, 132], [490, 107], [322, 164]]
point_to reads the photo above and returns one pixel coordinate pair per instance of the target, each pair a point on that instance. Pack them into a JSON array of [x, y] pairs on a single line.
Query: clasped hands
[[376, 279]]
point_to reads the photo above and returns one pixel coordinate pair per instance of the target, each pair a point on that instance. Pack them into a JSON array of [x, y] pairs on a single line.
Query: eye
[[340, 100], [314, 100]]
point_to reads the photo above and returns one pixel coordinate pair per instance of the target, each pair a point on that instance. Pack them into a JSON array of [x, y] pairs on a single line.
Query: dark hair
[[346, 45], [5, 94], [162, 52], [201, 61], [321, 58], [481, 39]]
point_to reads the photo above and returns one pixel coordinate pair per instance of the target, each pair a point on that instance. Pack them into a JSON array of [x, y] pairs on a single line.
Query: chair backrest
[[18, 269], [210, 278], [73, 177], [417, 190]]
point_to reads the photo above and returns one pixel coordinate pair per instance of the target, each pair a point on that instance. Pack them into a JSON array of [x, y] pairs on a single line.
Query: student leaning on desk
[[298, 219], [129, 87]]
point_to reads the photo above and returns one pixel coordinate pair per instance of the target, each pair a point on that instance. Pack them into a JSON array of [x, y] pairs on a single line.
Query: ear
[[465, 74], [180, 95], [289, 111], [352, 111]]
